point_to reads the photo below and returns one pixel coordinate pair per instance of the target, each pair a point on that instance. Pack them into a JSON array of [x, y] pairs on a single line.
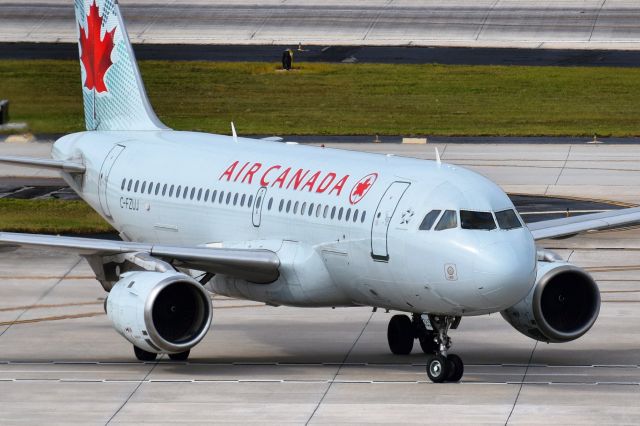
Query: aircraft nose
[[505, 272]]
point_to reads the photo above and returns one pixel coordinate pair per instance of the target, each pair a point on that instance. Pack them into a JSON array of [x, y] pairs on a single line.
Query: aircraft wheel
[[143, 355], [437, 368], [180, 356], [400, 335], [427, 343], [456, 368]]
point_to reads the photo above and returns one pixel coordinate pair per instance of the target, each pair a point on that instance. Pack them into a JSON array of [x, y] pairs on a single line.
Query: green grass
[[349, 99], [50, 217]]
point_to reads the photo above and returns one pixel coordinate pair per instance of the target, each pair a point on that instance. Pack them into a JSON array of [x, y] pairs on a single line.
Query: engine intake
[[562, 306], [161, 312]]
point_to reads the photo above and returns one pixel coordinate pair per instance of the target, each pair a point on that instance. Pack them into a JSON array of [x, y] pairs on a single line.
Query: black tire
[[456, 368], [143, 355], [400, 335], [180, 356], [427, 343], [437, 368], [104, 305]]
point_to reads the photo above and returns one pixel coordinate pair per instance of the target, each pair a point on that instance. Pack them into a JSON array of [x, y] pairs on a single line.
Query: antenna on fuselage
[[233, 132], [438, 157]]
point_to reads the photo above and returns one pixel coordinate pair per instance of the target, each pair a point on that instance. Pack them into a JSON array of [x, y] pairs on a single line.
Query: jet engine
[[160, 312], [562, 305]]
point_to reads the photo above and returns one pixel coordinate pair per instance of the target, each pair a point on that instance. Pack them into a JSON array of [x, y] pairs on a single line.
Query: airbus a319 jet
[[294, 225]]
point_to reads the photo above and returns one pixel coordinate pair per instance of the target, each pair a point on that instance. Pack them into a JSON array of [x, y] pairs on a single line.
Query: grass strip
[[348, 99], [50, 217]]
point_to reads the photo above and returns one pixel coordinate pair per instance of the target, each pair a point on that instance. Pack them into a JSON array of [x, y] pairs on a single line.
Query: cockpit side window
[[429, 220], [508, 219], [448, 220], [477, 220]]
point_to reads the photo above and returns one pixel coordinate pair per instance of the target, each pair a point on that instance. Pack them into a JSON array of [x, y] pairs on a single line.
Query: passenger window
[[311, 209], [199, 194], [326, 211], [206, 195], [235, 199], [135, 188], [228, 198], [158, 188], [429, 220], [508, 219], [124, 182], [303, 209], [448, 220], [340, 213], [144, 186], [270, 203], [288, 206], [129, 185], [250, 203], [150, 187], [348, 215], [295, 208], [221, 197], [178, 191], [477, 220], [171, 191], [318, 210], [281, 205], [333, 212], [193, 193], [244, 197], [186, 192], [355, 216], [258, 201], [213, 195], [164, 189], [364, 214]]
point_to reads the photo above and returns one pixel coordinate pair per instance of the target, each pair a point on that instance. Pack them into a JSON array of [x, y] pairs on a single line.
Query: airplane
[[287, 224]]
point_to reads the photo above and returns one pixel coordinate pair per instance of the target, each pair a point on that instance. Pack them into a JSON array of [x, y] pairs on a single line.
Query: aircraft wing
[[256, 265], [565, 227], [44, 163]]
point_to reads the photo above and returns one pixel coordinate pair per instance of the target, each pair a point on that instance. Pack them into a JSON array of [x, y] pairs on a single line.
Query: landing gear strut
[[434, 341]]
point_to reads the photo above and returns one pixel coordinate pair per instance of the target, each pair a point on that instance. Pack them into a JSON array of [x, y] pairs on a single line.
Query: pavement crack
[[342, 364], [522, 383]]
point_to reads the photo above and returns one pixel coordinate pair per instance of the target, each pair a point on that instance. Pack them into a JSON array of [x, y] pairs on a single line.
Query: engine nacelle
[[160, 312], [562, 305]]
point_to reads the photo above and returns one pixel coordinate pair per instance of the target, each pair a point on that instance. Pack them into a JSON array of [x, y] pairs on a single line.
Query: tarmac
[[61, 361], [570, 24]]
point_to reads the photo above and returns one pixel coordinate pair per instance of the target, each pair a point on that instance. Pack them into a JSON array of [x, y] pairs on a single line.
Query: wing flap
[[255, 265], [558, 228]]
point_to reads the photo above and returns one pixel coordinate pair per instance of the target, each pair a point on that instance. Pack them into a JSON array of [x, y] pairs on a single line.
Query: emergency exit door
[[382, 220]]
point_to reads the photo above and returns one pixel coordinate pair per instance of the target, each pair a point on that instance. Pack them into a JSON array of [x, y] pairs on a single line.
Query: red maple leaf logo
[[96, 53], [361, 188]]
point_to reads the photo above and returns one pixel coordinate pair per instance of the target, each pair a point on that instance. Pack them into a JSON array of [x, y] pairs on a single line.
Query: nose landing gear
[[432, 333]]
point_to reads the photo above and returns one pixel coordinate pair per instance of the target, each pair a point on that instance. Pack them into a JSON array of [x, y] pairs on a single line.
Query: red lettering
[[229, 172], [312, 181], [240, 172], [263, 180], [296, 179], [339, 185], [325, 182], [281, 179], [251, 172]]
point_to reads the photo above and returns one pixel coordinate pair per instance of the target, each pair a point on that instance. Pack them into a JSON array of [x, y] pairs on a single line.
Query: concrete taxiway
[[575, 24], [61, 362]]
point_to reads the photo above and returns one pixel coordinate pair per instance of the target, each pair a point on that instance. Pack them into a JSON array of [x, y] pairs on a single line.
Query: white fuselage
[[345, 225]]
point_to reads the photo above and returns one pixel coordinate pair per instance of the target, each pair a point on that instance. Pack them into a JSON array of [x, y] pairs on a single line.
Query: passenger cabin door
[[105, 170], [382, 220], [257, 206]]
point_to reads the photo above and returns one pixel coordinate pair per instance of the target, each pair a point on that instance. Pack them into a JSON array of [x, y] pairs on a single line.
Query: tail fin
[[113, 92]]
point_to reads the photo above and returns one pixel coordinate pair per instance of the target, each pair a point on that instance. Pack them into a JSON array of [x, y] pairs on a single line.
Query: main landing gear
[[432, 333], [143, 355]]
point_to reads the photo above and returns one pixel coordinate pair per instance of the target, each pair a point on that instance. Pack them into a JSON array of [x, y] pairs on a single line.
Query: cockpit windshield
[[477, 220], [508, 219], [448, 220], [429, 220]]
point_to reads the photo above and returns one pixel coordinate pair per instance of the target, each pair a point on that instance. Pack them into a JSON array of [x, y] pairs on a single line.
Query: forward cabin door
[[257, 206], [105, 170], [382, 220]]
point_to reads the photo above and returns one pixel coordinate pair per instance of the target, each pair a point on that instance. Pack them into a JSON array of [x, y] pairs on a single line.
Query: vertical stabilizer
[[113, 92]]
